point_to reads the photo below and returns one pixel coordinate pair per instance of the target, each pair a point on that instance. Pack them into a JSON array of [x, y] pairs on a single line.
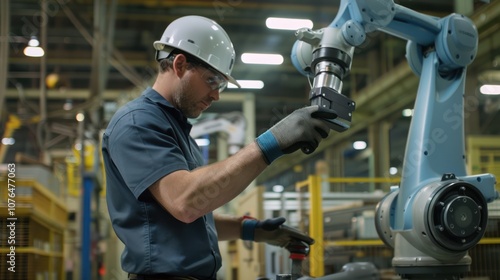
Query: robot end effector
[[323, 56]]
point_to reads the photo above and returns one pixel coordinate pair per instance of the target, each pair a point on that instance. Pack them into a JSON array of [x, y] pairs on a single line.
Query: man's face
[[194, 94]]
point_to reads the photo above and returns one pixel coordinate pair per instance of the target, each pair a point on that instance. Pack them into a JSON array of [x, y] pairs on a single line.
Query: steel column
[[4, 48]]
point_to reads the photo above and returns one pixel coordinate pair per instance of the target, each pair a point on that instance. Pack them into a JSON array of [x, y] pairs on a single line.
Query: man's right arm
[[188, 195]]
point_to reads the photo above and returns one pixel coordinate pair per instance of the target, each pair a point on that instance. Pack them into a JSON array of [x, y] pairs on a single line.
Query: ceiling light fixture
[[248, 84], [359, 145], [407, 112], [33, 49], [262, 58], [288, 23], [393, 170], [80, 117], [278, 188], [490, 89], [8, 141]]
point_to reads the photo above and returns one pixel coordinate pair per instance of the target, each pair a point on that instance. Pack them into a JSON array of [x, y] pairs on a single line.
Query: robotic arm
[[438, 212], [326, 54]]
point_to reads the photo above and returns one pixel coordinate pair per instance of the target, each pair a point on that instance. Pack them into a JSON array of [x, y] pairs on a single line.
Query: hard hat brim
[[232, 80]]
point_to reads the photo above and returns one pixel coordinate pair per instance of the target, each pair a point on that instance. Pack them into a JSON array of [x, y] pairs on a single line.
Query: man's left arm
[[228, 227], [271, 231]]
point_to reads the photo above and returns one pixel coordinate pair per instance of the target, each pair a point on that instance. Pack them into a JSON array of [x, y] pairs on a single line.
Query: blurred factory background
[[93, 56]]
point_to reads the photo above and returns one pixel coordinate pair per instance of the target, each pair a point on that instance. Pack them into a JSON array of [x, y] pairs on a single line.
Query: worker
[[160, 198]]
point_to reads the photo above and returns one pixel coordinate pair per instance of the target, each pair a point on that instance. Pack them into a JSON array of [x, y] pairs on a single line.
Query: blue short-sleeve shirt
[[145, 140]]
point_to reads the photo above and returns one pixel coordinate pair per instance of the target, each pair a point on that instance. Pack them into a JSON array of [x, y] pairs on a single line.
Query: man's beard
[[183, 100]]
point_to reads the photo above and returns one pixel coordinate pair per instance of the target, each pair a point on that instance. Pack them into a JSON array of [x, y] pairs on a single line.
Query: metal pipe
[[41, 138], [86, 187]]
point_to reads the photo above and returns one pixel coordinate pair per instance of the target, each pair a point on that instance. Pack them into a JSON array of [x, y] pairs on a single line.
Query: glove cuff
[[248, 229], [269, 146]]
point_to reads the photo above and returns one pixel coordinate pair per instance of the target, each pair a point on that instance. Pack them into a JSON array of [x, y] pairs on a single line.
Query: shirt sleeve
[[144, 146]]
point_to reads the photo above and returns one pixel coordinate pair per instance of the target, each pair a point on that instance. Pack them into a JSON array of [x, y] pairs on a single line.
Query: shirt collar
[[157, 98]]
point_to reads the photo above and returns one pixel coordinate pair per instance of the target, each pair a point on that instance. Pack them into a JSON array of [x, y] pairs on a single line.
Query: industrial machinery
[[438, 212], [298, 246], [233, 124]]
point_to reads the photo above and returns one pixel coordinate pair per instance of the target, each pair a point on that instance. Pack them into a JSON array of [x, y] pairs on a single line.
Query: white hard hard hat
[[204, 39]]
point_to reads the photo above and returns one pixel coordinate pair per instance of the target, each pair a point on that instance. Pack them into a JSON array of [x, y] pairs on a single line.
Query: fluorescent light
[[288, 23], [393, 170], [262, 58], [250, 84], [490, 89], [278, 188], [8, 141], [80, 117], [407, 112], [359, 145], [33, 49], [202, 142]]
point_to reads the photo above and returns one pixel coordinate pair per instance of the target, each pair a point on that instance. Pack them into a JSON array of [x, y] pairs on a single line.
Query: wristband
[[269, 146], [246, 217], [248, 229]]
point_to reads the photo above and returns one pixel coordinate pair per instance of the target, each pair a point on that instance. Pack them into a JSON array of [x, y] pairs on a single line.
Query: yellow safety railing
[[316, 227]]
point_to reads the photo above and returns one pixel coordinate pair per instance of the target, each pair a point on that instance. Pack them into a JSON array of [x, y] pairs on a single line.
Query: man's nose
[[215, 94]]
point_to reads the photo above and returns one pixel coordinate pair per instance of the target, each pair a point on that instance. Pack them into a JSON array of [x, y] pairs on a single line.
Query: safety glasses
[[211, 77], [214, 80]]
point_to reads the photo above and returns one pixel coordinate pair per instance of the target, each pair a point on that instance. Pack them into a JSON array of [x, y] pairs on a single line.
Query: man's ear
[[180, 65]]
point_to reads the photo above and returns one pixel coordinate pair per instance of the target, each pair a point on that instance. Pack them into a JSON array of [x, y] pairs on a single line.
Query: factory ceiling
[[99, 54]]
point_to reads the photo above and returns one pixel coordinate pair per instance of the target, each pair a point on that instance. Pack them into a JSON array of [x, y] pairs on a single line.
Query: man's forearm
[[228, 227], [216, 184], [188, 195]]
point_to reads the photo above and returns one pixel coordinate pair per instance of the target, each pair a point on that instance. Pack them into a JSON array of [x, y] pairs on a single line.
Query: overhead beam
[[63, 95]]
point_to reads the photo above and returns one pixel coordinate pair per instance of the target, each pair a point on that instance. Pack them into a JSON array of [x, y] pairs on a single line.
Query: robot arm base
[[453, 272], [356, 270]]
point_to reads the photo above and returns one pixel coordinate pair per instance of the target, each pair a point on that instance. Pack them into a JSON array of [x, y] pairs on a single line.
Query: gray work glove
[[302, 129], [272, 231]]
